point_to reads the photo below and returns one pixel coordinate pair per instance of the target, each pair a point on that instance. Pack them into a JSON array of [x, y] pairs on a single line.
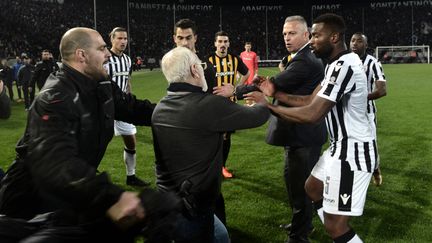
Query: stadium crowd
[[29, 26]]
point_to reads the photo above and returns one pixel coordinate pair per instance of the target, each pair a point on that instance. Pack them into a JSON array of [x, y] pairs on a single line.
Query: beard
[[97, 73], [324, 52]]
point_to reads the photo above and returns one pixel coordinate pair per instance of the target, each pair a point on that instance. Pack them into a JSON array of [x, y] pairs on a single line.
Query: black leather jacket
[[68, 130], [188, 127], [42, 70]]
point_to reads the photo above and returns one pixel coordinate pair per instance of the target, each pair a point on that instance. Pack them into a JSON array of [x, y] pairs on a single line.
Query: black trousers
[[27, 95], [299, 162]]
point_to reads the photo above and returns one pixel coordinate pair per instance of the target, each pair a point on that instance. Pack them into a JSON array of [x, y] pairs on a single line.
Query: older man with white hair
[[188, 126]]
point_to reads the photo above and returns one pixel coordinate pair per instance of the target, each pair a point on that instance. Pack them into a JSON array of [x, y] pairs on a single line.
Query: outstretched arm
[[312, 113], [296, 100]]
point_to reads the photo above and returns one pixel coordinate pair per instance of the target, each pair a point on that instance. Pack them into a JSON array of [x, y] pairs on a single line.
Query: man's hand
[[257, 97], [226, 90], [127, 211], [267, 87]]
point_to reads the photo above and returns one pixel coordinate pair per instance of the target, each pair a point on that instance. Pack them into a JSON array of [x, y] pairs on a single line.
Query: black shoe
[[132, 180]]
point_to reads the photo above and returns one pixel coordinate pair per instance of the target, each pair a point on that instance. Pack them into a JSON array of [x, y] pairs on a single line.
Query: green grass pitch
[[256, 201]]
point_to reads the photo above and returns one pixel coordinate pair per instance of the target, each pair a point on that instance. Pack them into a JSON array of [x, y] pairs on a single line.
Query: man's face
[[95, 57], [185, 38], [119, 41], [45, 55], [358, 44], [222, 44], [295, 36], [248, 47], [320, 41]]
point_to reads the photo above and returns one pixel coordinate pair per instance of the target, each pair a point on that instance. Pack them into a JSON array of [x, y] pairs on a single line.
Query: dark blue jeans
[[198, 229]]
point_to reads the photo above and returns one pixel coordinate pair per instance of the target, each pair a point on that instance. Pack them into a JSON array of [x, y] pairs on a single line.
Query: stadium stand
[[33, 25]]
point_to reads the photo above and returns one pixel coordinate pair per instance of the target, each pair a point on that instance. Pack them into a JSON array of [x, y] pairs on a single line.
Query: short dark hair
[[220, 33], [334, 22], [115, 30], [185, 24], [248, 43], [361, 34]]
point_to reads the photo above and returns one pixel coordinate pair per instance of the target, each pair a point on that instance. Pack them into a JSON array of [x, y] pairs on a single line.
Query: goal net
[[403, 54]]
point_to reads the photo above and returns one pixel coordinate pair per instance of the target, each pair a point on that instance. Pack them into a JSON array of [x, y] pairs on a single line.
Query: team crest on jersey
[[227, 63]]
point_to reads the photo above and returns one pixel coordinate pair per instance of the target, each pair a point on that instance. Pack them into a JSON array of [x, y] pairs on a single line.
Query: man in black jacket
[[5, 109], [188, 126], [25, 74], [302, 142], [42, 70], [185, 35], [68, 130], [7, 76]]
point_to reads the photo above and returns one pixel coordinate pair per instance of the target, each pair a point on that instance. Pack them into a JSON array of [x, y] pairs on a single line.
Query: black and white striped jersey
[[350, 131], [119, 69], [374, 71]]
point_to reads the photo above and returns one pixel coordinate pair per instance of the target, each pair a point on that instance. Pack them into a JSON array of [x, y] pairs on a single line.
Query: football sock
[[348, 237], [129, 157], [319, 208]]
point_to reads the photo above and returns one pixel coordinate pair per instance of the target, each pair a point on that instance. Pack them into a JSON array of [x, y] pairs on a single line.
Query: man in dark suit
[[302, 142]]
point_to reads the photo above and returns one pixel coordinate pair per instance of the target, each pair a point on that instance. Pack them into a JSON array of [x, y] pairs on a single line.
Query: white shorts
[[124, 128], [344, 190]]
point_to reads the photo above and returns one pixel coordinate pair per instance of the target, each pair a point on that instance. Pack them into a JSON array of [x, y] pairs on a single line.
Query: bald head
[[84, 50], [73, 39]]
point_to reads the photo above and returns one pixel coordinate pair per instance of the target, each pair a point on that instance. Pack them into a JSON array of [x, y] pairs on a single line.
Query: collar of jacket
[[184, 87], [84, 82]]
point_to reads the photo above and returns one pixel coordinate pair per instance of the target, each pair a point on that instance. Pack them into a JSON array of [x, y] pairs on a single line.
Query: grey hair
[[176, 65], [297, 18]]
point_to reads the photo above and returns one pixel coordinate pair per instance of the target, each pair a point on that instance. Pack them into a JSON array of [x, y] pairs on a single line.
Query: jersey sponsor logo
[[222, 74], [345, 197], [116, 74]]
